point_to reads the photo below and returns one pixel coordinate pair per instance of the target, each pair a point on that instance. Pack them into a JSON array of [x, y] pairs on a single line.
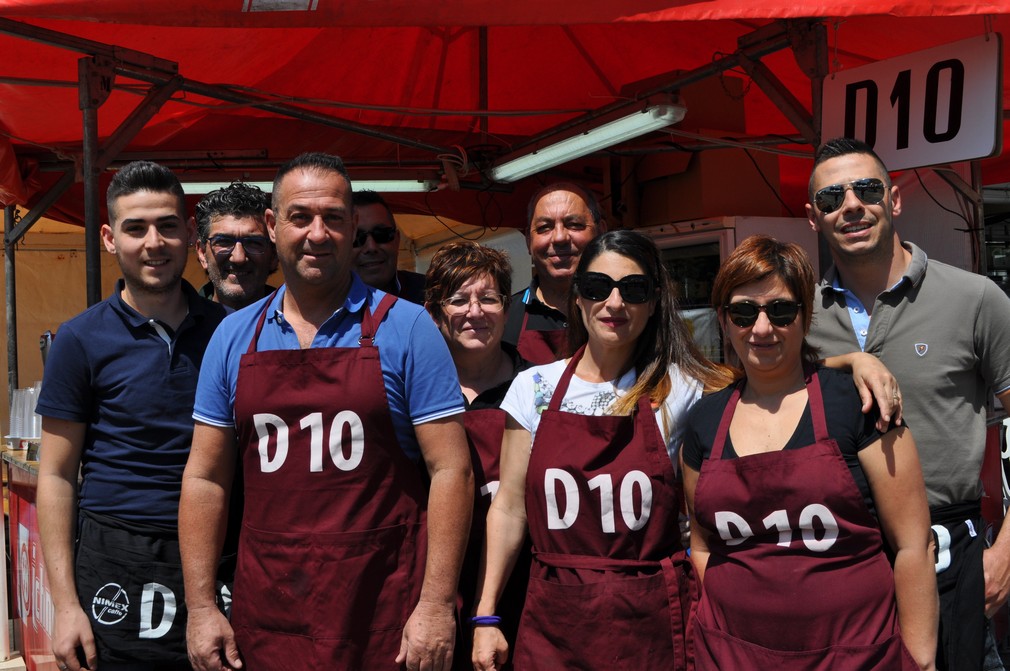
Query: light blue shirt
[[417, 369], [857, 311]]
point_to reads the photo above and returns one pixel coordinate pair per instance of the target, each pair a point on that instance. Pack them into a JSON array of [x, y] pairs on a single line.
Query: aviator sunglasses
[[780, 312], [870, 190], [598, 286], [381, 234]]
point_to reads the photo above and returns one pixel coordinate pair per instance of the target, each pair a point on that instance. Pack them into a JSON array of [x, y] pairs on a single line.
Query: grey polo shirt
[[945, 334]]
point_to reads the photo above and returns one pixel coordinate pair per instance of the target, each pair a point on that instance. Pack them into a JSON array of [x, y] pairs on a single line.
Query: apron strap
[[727, 418], [596, 563], [371, 320], [679, 571], [260, 322], [816, 403], [566, 378], [814, 400]]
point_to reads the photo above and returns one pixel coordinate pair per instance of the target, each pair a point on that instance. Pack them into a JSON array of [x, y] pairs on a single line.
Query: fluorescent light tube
[[607, 135], [380, 185]]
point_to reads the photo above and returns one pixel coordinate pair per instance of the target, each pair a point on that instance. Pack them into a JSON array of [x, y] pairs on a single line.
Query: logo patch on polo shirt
[[921, 348]]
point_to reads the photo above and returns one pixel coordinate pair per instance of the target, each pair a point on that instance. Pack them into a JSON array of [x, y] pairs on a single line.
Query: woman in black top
[[794, 495], [467, 290]]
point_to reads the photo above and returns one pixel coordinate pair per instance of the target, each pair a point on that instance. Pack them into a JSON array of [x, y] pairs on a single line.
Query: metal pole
[[90, 99], [12, 304]]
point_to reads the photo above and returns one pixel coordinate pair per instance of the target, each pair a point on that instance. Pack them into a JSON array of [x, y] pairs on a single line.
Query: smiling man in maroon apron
[[341, 406], [561, 220], [116, 402]]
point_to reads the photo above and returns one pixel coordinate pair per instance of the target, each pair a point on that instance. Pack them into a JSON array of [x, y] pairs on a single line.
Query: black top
[[842, 410], [411, 286], [492, 398], [542, 317]]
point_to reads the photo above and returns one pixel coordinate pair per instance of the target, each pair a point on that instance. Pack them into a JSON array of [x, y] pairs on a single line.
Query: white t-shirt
[[532, 390]]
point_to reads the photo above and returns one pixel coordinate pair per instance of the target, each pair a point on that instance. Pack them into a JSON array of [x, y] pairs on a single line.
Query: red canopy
[[402, 85]]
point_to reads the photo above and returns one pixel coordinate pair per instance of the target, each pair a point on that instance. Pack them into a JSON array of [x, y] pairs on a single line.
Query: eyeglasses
[[254, 245], [381, 234], [457, 305], [870, 190], [598, 287], [780, 312]]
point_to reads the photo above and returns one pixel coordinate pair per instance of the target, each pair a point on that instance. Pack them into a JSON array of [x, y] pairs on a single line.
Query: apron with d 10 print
[[609, 581], [797, 579], [333, 543], [485, 428]]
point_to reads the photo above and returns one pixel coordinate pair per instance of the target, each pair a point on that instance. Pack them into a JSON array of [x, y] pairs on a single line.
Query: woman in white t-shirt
[[587, 469]]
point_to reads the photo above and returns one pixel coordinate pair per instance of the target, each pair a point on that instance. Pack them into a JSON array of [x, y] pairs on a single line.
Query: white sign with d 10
[[935, 106]]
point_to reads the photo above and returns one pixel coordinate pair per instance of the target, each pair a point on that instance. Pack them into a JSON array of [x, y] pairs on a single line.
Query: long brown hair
[[665, 340]]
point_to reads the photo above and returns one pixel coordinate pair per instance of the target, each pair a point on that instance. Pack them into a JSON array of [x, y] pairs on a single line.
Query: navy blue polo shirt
[[132, 381]]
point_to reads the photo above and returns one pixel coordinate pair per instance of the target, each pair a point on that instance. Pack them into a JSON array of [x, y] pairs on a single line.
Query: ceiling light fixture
[[609, 134], [380, 185]]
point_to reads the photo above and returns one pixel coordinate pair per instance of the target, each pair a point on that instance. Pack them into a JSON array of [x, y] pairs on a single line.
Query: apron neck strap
[[814, 400], [644, 402], [371, 320], [566, 378], [260, 322]]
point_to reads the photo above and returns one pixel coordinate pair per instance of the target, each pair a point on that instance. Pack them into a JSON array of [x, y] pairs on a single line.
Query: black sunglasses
[[870, 190], [780, 312], [254, 245], [598, 286], [381, 234]]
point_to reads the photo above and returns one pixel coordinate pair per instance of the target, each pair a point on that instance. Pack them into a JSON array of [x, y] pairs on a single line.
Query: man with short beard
[[234, 247], [116, 406]]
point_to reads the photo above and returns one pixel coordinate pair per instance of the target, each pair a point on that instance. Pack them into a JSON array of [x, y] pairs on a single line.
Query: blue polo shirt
[[131, 380], [417, 369]]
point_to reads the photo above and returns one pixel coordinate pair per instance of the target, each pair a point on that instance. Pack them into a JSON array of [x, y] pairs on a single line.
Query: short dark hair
[[592, 204], [143, 176], [458, 262], [312, 160], [369, 197], [760, 257], [238, 199], [843, 146]]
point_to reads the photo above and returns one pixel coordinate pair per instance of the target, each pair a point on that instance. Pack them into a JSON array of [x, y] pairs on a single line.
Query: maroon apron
[[609, 581], [797, 579], [540, 347], [485, 428], [333, 542]]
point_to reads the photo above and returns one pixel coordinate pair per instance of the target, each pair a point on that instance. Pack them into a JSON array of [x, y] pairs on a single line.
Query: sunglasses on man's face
[[869, 190], [780, 312], [381, 234], [598, 287]]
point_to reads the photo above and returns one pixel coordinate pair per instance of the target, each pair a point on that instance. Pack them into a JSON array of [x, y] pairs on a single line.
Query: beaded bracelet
[[485, 621]]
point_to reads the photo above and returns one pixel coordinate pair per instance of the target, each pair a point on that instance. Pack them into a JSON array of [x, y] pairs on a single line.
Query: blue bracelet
[[485, 621]]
